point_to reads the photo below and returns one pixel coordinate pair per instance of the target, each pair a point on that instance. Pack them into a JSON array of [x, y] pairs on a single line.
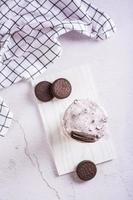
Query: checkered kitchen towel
[[29, 31]]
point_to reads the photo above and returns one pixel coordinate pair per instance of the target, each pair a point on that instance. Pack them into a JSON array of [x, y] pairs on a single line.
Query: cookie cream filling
[[85, 120]]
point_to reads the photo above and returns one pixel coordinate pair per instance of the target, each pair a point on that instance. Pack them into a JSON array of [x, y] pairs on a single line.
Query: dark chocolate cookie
[[43, 91], [83, 138], [86, 170], [61, 88]]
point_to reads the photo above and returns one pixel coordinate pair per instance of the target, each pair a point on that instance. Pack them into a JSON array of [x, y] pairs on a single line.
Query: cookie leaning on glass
[[85, 121]]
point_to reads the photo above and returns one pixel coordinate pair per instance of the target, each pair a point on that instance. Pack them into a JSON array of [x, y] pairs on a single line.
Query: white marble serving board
[[67, 152]]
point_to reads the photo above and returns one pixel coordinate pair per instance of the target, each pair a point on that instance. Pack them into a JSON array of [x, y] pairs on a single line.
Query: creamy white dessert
[[85, 120]]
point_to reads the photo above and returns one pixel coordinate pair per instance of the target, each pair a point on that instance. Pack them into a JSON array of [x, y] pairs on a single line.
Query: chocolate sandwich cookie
[[43, 91], [86, 170], [82, 137], [61, 88]]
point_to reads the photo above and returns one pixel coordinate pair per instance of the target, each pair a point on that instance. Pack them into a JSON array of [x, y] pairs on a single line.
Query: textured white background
[[27, 171]]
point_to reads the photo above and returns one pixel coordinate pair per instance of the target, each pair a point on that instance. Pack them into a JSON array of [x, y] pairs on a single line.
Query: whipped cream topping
[[86, 118]]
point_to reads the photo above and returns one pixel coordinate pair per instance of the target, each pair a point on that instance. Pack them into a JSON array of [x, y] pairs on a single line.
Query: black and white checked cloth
[[5, 117], [29, 32]]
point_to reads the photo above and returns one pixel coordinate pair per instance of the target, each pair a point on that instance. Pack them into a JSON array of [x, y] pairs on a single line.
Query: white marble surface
[[27, 171]]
